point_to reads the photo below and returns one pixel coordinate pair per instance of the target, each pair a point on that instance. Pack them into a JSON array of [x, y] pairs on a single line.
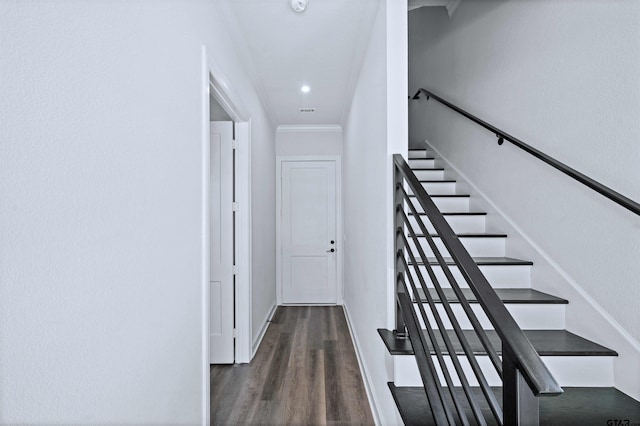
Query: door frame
[[339, 232], [220, 89], [214, 83]]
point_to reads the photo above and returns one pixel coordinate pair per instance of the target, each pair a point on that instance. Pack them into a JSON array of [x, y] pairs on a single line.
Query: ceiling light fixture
[[305, 89], [299, 6]]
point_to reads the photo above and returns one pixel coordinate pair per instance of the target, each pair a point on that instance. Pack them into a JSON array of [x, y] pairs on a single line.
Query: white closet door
[[221, 340]]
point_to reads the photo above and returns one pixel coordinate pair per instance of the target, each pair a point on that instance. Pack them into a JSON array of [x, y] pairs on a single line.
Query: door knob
[[331, 251]]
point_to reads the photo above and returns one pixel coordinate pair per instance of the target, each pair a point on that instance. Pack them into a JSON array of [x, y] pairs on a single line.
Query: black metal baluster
[[435, 395], [480, 332], [488, 393], [436, 346], [482, 336], [400, 326]]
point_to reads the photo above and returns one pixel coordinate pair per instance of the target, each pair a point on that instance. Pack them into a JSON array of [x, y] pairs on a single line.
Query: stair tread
[[437, 169], [506, 295], [483, 261], [577, 406], [456, 214], [546, 343], [437, 180], [445, 195], [469, 235]]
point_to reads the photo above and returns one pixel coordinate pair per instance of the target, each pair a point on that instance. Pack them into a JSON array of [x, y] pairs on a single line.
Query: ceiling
[[322, 47]]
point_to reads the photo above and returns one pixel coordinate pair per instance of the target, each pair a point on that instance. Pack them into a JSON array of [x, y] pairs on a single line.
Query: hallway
[[304, 373]]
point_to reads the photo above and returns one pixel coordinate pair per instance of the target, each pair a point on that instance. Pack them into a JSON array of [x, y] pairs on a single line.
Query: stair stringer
[[584, 316]]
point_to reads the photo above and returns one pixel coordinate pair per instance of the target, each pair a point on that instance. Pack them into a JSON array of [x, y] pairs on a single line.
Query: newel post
[[520, 405], [398, 252]]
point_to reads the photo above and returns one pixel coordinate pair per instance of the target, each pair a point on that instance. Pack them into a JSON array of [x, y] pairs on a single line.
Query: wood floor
[[304, 373]]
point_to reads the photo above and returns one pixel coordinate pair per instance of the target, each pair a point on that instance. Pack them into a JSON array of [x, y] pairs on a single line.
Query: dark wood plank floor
[[304, 373]]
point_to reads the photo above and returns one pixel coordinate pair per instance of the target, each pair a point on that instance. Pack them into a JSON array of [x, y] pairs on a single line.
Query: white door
[[221, 344], [308, 232]]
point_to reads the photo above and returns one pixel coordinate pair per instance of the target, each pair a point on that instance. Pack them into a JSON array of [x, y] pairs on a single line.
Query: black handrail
[[523, 373], [569, 171]]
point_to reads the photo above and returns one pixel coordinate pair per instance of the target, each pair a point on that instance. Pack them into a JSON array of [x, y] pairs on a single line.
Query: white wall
[[263, 218], [376, 126], [298, 140], [101, 221], [563, 77]]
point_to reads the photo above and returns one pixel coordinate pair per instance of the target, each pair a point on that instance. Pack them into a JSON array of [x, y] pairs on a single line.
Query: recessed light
[[305, 89]]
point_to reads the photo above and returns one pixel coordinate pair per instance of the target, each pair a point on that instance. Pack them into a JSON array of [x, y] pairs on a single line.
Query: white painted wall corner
[[263, 330]]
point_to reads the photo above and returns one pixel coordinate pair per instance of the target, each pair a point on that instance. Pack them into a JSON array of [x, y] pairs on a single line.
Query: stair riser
[[422, 163], [527, 316], [422, 153], [429, 174], [477, 247], [460, 224], [499, 276], [439, 188], [446, 205], [588, 371]]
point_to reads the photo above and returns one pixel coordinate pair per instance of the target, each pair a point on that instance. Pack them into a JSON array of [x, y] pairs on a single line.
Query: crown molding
[[294, 128]]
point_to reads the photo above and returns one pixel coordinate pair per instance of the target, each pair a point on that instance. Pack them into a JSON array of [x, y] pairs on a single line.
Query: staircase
[[583, 368]]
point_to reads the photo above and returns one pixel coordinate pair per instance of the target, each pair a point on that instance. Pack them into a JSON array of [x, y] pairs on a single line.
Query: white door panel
[[221, 344], [308, 232]]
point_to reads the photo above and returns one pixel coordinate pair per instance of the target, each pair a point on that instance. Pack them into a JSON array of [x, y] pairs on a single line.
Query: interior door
[[308, 232], [221, 340]]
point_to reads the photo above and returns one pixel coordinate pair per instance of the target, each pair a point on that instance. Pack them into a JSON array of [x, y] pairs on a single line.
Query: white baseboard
[[587, 318], [263, 330], [371, 396]]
